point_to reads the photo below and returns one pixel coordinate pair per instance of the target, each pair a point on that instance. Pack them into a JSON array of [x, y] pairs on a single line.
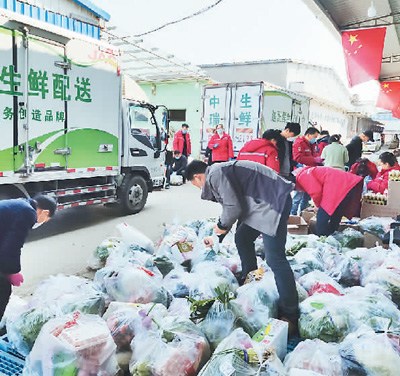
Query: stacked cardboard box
[[392, 209]]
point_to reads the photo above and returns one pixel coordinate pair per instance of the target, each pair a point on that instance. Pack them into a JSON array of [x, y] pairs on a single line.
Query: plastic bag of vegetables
[[74, 344], [207, 277], [317, 356], [319, 282], [323, 316], [136, 284], [368, 353], [387, 275], [349, 238], [125, 319], [134, 239], [218, 324], [103, 251], [24, 330], [255, 303], [376, 225], [177, 348], [237, 354], [69, 294]]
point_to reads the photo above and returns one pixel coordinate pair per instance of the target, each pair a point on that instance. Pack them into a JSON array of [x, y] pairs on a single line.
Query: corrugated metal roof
[[88, 5], [353, 14]]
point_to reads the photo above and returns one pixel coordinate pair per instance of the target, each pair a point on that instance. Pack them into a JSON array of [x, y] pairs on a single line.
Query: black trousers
[[5, 292]]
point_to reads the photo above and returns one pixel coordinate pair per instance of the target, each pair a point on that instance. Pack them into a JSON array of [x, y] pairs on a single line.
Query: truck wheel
[[132, 195]]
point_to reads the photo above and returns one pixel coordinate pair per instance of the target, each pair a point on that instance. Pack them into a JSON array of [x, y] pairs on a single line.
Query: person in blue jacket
[[17, 218]]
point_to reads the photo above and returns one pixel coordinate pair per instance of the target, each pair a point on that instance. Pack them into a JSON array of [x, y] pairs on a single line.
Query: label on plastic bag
[[227, 369], [317, 305]]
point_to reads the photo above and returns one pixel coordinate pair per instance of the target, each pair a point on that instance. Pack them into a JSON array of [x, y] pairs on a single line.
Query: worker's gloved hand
[[16, 279], [318, 160], [215, 146]]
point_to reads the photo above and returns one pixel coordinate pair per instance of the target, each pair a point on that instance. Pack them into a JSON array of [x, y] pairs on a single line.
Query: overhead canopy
[[340, 15], [145, 63]]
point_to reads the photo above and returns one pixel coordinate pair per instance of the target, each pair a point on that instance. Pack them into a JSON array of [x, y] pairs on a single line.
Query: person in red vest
[[182, 141], [221, 145], [322, 142], [388, 163], [268, 150], [305, 153], [332, 199]]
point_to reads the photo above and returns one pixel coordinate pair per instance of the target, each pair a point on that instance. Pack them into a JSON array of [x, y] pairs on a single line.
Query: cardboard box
[[274, 335], [307, 215], [371, 240], [392, 209], [297, 225]]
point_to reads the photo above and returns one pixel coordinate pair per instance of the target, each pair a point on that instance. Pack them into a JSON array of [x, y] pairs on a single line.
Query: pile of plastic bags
[[176, 308]]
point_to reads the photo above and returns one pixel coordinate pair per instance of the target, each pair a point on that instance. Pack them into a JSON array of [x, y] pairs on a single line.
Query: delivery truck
[[69, 127], [246, 109]]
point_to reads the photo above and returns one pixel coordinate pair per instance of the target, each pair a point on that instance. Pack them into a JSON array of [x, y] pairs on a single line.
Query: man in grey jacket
[[258, 199]]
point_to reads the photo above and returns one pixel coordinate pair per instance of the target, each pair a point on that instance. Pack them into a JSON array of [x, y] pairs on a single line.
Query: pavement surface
[[65, 244]]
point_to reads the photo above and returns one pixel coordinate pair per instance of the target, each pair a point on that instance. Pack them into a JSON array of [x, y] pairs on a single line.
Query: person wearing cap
[[355, 146], [17, 218], [182, 141]]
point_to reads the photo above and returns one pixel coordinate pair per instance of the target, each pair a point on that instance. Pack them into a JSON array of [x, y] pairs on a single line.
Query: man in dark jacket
[[17, 217], [355, 146], [258, 199], [322, 142], [291, 130], [177, 166]]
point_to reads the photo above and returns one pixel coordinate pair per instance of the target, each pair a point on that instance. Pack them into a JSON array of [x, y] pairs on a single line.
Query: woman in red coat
[[388, 163], [266, 150], [336, 193], [221, 145]]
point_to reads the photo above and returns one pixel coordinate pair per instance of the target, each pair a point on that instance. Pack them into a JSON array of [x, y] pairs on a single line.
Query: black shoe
[[3, 331], [167, 186]]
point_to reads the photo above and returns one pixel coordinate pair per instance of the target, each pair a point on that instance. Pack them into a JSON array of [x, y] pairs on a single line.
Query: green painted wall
[[180, 95]]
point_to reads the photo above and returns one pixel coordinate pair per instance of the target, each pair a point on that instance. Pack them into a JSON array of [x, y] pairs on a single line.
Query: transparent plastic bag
[[178, 283], [24, 330], [319, 282], [125, 319], [135, 239], [255, 303], [136, 284], [103, 251], [208, 277], [176, 179], [177, 348], [367, 353], [218, 324], [74, 344], [323, 316], [349, 238], [69, 294], [317, 356], [376, 225]]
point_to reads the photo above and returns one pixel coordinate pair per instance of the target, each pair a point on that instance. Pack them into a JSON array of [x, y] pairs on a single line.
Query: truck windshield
[[142, 123]]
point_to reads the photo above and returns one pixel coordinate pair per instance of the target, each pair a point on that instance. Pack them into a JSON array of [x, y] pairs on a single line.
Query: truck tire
[[132, 195]]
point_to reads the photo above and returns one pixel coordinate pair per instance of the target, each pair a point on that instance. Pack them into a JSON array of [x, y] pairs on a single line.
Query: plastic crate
[[11, 362]]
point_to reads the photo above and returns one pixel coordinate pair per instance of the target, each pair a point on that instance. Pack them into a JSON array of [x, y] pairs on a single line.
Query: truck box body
[[65, 128], [247, 109]]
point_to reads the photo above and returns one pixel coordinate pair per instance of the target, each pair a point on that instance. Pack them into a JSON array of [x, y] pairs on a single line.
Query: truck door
[[216, 110], [42, 105], [145, 147], [245, 113]]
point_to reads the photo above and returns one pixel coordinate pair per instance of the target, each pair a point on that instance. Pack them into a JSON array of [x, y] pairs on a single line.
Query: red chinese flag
[[363, 50], [389, 95]]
